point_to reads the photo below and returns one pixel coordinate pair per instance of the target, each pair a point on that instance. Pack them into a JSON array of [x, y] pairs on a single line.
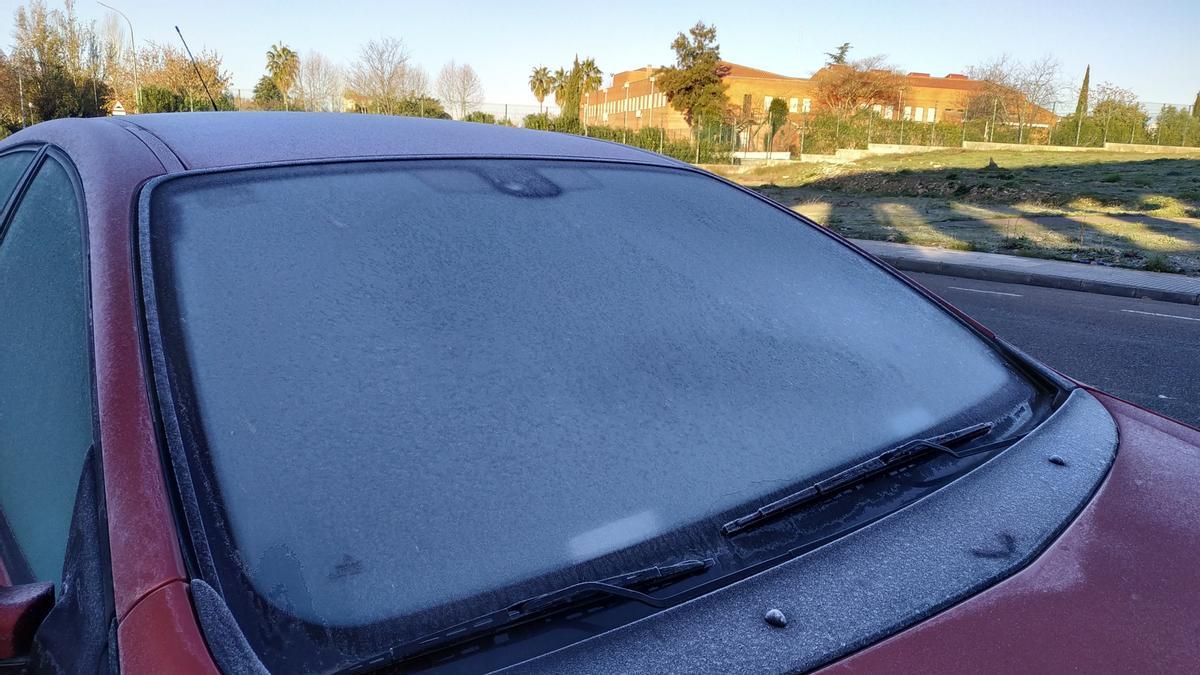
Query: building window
[[806, 106], [930, 115], [920, 114], [878, 109], [908, 112], [767, 102], [794, 105], [889, 112]]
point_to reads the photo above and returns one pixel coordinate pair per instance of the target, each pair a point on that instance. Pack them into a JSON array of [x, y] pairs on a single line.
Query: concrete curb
[[1001, 272]]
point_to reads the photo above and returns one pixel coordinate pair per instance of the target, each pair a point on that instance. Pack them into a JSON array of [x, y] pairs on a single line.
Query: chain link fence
[[817, 133]]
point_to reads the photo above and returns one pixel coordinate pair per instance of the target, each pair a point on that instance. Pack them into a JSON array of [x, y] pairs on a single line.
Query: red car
[[304, 393]]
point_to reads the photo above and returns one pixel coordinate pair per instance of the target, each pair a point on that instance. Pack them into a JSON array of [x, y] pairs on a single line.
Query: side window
[[12, 167], [45, 380]]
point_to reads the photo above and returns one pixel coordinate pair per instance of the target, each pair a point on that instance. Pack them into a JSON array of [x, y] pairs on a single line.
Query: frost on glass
[[45, 381], [423, 381]]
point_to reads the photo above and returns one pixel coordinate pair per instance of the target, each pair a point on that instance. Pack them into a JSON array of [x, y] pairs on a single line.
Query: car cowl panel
[[882, 578], [1118, 592]]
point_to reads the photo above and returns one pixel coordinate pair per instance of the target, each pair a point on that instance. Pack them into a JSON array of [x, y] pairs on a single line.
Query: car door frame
[[13, 567]]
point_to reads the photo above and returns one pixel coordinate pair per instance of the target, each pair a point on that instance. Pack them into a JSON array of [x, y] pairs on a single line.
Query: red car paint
[[1118, 591], [1105, 596], [143, 543]]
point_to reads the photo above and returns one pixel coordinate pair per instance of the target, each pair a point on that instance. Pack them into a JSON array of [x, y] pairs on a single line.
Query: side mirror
[[22, 609]]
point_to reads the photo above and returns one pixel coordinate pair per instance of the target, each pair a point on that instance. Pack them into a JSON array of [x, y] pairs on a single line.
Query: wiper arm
[[902, 454], [522, 610]]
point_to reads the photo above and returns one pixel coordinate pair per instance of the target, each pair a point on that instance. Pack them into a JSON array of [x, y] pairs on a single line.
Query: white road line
[[1165, 316], [977, 290]]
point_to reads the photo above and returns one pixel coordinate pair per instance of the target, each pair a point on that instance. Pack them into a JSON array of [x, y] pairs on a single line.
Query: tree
[[1038, 84], [282, 66], [56, 59], [560, 85], [694, 85], [1196, 106], [459, 89], [1081, 107], [157, 99], [570, 85], [1013, 92], [837, 56], [10, 97], [776, 117], [996, 96], [480, 116], [590, 77], [1118, 110], [382, 76], [541, 82], [421, 106], [846, 88], [319, 84], [540, 121], [169, 68], [266, 94]]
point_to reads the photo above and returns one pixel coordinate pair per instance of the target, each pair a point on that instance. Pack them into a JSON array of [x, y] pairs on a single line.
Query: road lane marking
[[1165, 316], [977, 290]]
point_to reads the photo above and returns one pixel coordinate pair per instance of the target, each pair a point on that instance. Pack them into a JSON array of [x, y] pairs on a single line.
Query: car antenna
[[197, 69]]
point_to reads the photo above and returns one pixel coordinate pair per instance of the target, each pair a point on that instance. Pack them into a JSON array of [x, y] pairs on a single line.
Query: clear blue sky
[[1151, 46]]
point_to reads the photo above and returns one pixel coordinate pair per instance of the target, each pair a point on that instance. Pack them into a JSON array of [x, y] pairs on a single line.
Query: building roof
[[738, 70], [225, 139]]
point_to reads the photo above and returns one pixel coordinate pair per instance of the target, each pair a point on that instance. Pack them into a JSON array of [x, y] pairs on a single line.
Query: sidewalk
[[1038, 272]]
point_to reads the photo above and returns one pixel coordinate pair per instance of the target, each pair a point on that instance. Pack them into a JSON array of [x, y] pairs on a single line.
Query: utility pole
[[137, 91], [21, 91]]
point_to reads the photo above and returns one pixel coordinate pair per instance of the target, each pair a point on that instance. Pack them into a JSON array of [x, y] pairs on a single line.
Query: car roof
[[224, 139]]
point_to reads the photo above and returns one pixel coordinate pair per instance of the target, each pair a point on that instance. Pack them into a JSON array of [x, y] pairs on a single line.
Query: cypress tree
[[1196, 106], [1081, 107]]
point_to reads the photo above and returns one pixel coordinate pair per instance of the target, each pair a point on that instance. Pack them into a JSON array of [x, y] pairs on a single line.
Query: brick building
[[633, 102]]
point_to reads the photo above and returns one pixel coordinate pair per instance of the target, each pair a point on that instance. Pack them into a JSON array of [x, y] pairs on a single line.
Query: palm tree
[[590, 77], [282, 66], [541, 82], [559, 82]]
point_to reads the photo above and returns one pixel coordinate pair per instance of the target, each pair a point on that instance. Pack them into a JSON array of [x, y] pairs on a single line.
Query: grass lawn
[[1138, 211]]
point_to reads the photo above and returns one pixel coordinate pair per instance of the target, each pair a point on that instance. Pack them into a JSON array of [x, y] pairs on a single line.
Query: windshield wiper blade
[[522, 610], [899, 455]]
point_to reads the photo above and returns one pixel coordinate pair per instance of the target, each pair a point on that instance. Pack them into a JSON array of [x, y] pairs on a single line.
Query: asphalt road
[[1143, 351]]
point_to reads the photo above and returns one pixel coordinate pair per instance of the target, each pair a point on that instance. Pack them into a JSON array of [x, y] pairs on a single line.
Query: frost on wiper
[[944, 444], [522, 610]]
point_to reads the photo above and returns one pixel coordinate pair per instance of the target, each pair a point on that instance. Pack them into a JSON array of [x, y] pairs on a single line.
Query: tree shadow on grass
[[1125, 213]]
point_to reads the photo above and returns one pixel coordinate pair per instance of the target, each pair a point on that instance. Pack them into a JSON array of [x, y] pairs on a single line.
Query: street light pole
[[137, 91], [625, 114], [652, 102]]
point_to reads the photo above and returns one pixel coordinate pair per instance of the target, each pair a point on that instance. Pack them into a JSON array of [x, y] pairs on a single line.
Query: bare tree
[[1014, 92], [416, 82], [1039, 83], [844, 88], [381, 73], [996, 99], [459, 89], [319, 83]]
